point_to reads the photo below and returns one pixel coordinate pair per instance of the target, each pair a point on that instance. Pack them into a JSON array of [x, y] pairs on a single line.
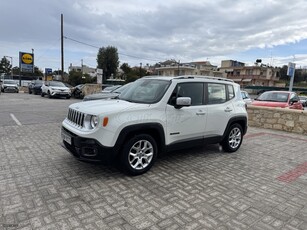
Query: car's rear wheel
[[139, 154], [233, 138]]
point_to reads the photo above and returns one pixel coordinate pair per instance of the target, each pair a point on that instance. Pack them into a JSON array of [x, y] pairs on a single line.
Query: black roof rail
[[202, 77]]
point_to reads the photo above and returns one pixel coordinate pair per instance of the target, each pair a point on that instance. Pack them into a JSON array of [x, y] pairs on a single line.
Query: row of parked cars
[[60, 89], [281, 99], [49, 88]]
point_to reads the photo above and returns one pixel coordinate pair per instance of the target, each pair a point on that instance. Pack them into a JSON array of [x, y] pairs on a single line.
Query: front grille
[[76, 117]]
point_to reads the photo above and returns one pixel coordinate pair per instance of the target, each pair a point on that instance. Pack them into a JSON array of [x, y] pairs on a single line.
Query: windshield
[[9, 82], [146, 91], [274, 96], [122, 88]]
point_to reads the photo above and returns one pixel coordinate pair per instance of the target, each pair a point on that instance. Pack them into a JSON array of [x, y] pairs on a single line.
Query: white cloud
[[152, 30]]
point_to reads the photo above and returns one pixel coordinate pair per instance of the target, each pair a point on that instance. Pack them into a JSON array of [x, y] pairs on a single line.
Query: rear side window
[[217, 93]]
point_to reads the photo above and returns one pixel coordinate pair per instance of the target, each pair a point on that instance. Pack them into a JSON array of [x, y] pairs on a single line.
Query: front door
[[186, 123]]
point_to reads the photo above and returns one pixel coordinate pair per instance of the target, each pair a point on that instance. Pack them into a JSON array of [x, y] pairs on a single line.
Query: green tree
[[5, 66], [108, 61], [125, 68], [283, 73], [75, 77]]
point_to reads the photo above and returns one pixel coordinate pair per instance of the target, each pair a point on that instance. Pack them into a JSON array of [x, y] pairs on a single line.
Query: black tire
[[138, 154], [233, 138], [42, 94], [49, 94], [30, 92], [68, 97]]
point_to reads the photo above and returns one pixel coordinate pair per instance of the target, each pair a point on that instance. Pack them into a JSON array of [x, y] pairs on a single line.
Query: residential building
[[174, 68], [84, 69], [258, 75]]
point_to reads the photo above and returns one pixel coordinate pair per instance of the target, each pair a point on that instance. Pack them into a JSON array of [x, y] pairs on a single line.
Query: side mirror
[[293, 100], [182, 101]]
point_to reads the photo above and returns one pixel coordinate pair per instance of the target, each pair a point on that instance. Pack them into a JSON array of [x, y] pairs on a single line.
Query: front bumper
[[87, 149], [10, 89], [60, 94]]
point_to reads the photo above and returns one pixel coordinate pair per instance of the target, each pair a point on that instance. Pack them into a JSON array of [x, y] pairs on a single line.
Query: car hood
[[97, 107], [98, 96], [59, 87], [270, 104]]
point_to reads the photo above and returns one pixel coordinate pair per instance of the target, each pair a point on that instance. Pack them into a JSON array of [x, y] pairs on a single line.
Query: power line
[[127, 55], [83, 43]]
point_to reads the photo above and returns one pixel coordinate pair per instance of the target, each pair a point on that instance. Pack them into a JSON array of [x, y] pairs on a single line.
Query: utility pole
[[33, 63], [62, 47]]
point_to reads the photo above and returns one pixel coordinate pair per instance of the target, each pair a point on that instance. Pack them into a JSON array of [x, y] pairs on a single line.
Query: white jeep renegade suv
[[155, 115]]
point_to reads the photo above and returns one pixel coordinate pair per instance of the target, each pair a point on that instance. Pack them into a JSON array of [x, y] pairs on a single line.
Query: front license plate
[[66, 137]]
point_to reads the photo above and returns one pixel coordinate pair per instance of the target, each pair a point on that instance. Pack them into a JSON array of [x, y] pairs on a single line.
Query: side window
[[194, 90], [294, 97], [216, 93]]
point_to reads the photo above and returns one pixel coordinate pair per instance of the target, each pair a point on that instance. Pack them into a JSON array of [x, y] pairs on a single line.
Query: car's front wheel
[[139, 154], [233, 138]]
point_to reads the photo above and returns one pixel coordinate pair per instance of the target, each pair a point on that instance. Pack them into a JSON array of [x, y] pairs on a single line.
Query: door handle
[[228, 109]]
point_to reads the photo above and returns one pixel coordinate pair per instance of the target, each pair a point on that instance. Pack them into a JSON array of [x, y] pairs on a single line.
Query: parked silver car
[[303, 100], [246, 97], [9, 86], [55, 89]]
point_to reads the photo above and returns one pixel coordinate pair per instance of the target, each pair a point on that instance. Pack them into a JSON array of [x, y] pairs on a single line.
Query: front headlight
[[94, 121]]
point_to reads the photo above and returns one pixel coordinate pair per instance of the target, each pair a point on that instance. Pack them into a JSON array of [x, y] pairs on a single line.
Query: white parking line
[[15, 119]]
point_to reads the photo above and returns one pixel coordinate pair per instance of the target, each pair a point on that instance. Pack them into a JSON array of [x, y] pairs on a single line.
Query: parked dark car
[[77, 92], [35, 87], [107, 94]]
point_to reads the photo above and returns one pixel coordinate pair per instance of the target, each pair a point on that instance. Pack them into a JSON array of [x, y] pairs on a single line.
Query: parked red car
[[279, 99]]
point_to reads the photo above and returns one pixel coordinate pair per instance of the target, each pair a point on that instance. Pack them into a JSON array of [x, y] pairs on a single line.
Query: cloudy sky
[[150, 31]]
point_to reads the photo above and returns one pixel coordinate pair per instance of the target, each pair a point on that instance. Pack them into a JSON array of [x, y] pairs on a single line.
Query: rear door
[[220, 108]]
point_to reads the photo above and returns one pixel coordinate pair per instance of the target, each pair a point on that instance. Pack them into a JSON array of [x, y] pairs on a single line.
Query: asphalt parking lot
[[261, 186]]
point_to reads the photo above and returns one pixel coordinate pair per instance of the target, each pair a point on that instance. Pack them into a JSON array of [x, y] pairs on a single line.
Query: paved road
[[261, 186]]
